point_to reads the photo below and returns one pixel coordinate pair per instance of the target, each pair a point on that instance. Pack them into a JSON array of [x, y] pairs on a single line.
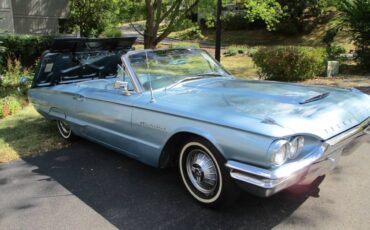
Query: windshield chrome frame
[[131, 73], [137, 85]]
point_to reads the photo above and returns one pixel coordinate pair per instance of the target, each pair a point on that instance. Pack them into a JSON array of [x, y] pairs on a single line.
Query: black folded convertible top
[[78, 59], [89, 44]]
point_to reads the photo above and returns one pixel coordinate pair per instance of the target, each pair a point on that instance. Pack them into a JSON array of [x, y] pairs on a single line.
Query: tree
[[162, 17], [296, 14], [91, 16], [130, 11], [356, 15], [268, 11]]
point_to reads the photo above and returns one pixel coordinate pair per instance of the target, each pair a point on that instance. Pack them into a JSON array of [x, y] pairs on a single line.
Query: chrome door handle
[[78, 97]]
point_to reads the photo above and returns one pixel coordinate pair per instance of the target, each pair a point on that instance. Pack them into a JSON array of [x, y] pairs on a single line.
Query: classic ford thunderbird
[[181, 108]]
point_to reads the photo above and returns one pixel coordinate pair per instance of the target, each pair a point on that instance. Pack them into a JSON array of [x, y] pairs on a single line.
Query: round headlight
[[295, 147], [279, 151]]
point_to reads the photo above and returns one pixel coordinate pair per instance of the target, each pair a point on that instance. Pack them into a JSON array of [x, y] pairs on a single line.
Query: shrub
[[241, 50], [234, 21], [14, 105], [112, 32], [234, 50], [191, 33], [251, 51], [10, 80], [231, 51], [184, 45], [25, 48], [9, 105], [334, 52], [183, 25], [290, 63]]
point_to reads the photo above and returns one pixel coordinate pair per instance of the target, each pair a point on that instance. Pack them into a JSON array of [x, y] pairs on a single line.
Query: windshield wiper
[[183, 80]]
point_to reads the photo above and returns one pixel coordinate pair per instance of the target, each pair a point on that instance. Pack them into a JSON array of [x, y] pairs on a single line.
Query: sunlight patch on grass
[[241, 66], [26, 134]]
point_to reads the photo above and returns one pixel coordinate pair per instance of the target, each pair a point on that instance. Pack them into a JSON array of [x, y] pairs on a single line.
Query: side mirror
[[120, 84], [23, 80]]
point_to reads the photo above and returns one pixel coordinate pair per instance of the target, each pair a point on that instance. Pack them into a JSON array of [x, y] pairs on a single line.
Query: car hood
[[268, 108]]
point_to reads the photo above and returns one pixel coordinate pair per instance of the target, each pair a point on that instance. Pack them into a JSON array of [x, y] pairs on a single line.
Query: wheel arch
[[172, 146]]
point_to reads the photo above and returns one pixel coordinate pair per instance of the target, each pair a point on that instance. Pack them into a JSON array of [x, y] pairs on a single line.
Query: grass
[[262, 37], [26, 134], [240, 66]]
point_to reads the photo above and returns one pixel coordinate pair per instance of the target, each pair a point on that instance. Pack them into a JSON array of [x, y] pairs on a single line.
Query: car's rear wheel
[[204, 175], [65, 130]]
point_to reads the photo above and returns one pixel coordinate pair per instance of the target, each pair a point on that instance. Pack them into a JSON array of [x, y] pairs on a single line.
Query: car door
[[106, 116]]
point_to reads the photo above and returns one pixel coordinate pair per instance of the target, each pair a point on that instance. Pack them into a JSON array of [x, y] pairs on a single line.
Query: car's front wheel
[[204, 175], [65, 130]]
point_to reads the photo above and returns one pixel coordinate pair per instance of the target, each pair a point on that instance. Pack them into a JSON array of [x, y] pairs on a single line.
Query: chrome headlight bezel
[[296, 145], [279, 152], [285, 149]]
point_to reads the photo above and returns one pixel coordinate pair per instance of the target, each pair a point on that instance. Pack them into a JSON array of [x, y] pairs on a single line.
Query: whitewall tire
[[65, 130], [204, 175]]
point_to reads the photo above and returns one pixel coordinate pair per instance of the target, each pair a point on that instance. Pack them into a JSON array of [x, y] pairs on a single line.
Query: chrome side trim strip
[[357, 130]]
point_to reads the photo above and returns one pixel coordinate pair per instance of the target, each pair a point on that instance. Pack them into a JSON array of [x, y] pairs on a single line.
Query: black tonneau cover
[[78, 59]]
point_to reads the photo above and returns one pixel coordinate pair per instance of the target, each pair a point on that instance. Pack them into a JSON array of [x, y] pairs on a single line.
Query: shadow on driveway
[[131, 195]]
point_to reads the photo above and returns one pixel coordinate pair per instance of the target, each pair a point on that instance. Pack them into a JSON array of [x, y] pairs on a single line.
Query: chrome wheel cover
[[202, 171], [64, 129]]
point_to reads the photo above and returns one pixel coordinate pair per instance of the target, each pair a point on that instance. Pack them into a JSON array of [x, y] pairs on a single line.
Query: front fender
[[196, 131], [231, 143]]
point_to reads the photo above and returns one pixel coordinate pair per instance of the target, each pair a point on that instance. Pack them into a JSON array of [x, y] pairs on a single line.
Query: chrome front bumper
[[266, 182]]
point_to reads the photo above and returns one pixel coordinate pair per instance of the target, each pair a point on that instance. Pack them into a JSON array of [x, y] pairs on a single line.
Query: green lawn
[[240, 66], [265, 38], [27, 133]]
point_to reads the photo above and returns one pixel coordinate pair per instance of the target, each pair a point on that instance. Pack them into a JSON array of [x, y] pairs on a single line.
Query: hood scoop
[[315, 98]]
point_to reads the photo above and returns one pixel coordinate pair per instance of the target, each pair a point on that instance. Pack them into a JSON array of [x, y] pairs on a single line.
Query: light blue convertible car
[[180, 107]]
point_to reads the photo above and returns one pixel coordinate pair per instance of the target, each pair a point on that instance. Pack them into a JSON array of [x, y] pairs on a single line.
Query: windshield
[[166, 68]]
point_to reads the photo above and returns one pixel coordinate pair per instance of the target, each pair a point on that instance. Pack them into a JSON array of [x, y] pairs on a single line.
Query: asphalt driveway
[[90, 187]]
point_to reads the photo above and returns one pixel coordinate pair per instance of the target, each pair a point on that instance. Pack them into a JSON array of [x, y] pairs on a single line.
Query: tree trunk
[[149, 33]]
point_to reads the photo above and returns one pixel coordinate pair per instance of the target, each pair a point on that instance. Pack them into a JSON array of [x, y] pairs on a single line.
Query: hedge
[[290, 63], [26, 48]]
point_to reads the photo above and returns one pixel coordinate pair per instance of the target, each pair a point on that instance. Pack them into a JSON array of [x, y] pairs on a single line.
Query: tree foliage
[[357, 17], [91, 16], [130, 11], [268, 11], [162, 17], [298, 13]]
